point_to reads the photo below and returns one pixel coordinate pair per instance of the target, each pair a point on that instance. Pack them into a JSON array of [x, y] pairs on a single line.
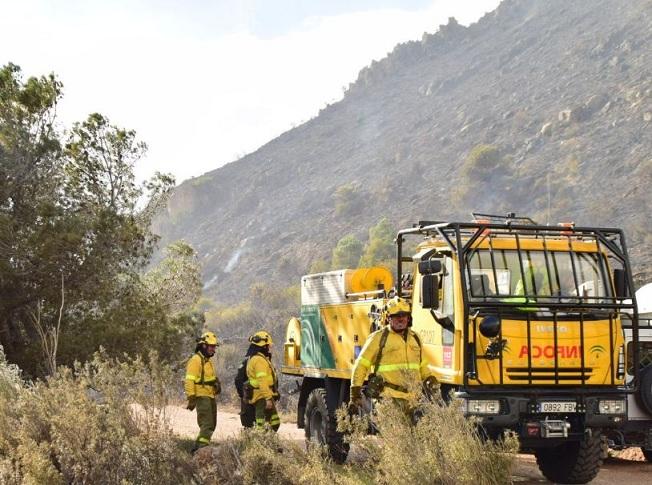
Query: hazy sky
[[205, 82]]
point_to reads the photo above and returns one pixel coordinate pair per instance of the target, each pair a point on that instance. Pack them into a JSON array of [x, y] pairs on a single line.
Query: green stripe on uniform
[[365, 362]]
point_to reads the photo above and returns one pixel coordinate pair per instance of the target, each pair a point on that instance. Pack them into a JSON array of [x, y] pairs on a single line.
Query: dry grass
[[104, 422], [443, 447], [79, 426], [258, 457]]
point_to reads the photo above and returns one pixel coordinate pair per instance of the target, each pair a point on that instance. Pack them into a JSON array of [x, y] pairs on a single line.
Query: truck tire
[[645, 389], [321, 426], [573, 462], [647, 454]]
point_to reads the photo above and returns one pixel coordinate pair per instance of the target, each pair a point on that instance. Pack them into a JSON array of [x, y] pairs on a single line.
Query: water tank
[[343, 285]]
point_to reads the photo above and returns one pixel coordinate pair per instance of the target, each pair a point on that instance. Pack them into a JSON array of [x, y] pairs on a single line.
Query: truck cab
[[523, 322]]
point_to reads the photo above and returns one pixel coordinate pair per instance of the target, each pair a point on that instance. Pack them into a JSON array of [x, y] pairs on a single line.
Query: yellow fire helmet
[[398, 306], [208, 338], [261, 338]]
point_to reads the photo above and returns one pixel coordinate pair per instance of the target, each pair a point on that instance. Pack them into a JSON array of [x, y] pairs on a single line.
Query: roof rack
[[479, 218], [510, 218]]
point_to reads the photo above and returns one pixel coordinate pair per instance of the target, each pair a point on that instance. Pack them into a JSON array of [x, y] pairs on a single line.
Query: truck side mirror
[[430, 291], [620, 283], [431, 266]]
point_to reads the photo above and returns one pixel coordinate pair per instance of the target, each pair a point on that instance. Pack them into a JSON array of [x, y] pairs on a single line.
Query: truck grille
[[548, 374]]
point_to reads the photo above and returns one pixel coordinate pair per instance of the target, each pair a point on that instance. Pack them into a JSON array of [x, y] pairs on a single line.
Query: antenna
[[548, 187]]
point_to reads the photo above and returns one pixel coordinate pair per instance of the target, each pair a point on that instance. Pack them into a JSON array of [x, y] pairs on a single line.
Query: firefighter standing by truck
[[262, 383], [395, 354], [201, 386]]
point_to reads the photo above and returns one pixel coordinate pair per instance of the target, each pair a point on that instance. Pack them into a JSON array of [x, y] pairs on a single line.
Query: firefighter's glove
[[218, 388], [430, 386], [356, 396], [269, 404], [192, 402]]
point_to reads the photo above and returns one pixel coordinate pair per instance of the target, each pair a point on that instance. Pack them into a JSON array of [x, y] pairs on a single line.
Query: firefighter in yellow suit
[[201, 386], [262, 381], [401, 359]]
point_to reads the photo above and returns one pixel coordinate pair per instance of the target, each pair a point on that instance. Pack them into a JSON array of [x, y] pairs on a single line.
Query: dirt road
[[614, 470], [184, 423], [620, 471]]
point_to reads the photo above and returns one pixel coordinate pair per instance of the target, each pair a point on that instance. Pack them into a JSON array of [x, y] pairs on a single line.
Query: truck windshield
[[565, 275]]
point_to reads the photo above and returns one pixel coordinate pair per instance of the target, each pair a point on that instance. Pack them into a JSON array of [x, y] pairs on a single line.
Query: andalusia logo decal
[[596, 351]]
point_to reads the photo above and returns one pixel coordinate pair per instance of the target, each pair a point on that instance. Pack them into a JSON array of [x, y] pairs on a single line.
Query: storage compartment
[[344, 285]]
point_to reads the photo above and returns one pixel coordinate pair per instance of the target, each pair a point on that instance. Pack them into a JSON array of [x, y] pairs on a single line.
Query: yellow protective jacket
[[201, 379], [401, 362], [262, 378]]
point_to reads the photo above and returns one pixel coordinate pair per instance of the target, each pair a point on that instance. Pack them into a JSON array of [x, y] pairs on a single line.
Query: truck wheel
[[647, 454], [645, 389], [573, 462], [321, 426]]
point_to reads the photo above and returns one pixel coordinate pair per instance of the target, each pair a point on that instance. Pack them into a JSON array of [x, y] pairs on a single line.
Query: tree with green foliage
[[75, 234], [176, 281], [35, 241], [380, 248], [347, 253], [100, 166]]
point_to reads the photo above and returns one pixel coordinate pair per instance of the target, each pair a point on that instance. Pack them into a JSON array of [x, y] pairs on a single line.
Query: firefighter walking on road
[[201, 386], [394, 356], [262, 383]]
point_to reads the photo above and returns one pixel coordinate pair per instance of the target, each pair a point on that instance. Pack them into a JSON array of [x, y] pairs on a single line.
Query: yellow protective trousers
[[206, 419], [266, 417]]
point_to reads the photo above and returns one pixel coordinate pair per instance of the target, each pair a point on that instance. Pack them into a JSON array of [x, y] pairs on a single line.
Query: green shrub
[[481, 161], [102, 422], [347, 199]]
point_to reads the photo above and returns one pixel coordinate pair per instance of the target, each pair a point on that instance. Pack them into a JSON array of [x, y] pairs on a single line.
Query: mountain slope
[[559, 92]]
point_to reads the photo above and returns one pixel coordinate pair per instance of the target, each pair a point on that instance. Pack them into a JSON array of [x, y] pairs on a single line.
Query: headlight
[[612, 406], [483, 406]]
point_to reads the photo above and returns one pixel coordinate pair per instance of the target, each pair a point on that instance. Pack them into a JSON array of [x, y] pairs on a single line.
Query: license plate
[[557, 407]]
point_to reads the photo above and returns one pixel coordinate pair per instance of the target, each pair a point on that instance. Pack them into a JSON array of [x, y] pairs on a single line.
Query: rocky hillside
[[543, 107]]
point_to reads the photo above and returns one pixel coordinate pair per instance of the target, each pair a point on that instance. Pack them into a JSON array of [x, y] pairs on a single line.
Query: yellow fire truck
[[520, 321]]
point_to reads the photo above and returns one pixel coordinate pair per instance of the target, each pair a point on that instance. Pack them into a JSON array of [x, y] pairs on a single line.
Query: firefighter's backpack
[[241, 378]]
